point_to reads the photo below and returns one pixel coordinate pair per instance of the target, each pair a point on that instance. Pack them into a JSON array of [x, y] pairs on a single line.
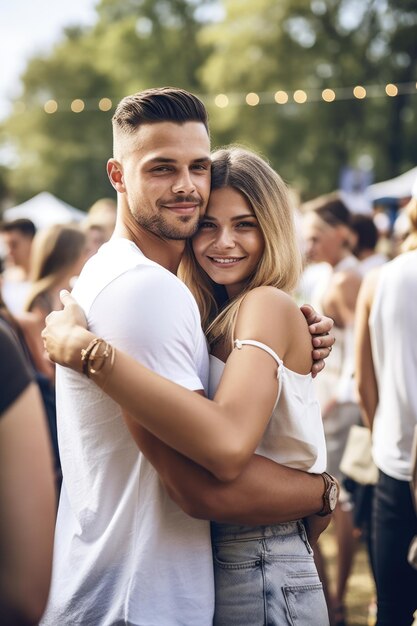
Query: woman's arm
[[365, 378], [264, 493], [27, 503], [220, 435]]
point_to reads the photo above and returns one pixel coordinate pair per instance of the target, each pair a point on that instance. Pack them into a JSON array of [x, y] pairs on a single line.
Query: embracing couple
[[146, 460]]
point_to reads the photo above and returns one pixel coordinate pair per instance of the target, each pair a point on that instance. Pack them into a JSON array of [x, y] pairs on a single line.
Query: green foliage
[[289, 45], [134, 45], [261, 47]]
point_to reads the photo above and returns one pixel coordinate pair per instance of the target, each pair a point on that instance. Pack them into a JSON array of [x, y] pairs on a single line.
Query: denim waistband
[[232, 532]]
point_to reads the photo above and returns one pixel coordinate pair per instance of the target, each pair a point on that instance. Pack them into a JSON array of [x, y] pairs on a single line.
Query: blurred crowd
[[361, 271], [347, 255], [35, 266]]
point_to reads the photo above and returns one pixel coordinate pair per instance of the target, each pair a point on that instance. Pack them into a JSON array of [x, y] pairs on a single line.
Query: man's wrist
[[330, 494]]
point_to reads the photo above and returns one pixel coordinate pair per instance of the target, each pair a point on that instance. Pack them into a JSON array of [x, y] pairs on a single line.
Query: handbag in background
[[357, 462]]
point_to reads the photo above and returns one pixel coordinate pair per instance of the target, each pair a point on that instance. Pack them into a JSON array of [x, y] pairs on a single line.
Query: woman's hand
[[65, 333], [319, 327]]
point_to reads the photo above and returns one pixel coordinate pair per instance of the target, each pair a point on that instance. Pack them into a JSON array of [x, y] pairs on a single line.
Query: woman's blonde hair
[[410, 242], [54, 251], [281, 263]]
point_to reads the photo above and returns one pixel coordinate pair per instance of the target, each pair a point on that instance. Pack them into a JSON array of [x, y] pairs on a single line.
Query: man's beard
[[186, 226], [156, 224]]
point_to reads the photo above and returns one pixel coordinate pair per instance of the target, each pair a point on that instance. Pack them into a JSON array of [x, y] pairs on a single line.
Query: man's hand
[[315, 525], [320, 327]]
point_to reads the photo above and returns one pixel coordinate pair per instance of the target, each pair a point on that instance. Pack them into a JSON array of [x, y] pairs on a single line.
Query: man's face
[[165, 173], [321, 241], [17, 247]]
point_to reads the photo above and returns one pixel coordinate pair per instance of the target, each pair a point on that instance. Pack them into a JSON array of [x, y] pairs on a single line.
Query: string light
[[359, 92], [300, 96], [105, 104], [391, 90], [252, 99], [51, 106], [281, 97], [221, 101], [77, 105], [328, 95]]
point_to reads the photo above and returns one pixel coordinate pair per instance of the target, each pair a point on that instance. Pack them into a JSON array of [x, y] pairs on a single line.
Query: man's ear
[[115, 174]]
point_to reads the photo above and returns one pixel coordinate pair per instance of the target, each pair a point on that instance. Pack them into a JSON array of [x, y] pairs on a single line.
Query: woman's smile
[[229, 243], [225, 260]]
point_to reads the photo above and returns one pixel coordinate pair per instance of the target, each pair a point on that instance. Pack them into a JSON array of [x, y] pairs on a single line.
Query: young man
[[125, 552]]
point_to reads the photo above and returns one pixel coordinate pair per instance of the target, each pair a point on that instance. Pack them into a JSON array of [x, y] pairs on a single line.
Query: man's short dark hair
[[331, 209], [366, 231], [164, 104], [24, 226]]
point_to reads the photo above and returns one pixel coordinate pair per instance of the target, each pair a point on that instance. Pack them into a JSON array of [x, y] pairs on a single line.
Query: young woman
[[58, 255], [246, 243]]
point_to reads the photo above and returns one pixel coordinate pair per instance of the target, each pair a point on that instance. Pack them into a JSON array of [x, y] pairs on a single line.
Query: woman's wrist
[[97, 359], [78, 340]]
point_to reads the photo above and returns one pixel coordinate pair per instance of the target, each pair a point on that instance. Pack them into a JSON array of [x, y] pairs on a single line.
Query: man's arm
[[264, 493]]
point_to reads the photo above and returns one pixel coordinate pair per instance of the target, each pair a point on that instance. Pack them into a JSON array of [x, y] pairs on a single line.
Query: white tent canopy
[[398, 187], [44, 210]]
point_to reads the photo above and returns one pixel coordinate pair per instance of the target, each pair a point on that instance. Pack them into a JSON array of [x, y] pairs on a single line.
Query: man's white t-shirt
[[124, 552]]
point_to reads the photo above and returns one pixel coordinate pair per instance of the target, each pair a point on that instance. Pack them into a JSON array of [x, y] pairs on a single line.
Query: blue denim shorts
[[266, 576]]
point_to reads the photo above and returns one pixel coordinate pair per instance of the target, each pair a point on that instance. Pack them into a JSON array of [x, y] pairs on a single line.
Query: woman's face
[[228, 244]]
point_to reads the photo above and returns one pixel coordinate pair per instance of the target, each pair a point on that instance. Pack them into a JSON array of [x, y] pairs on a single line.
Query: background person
[[366, 245], [17, 237], [58, 255], [26, 330], [328, 237], [386, 371], [102, 214], [27, 497]]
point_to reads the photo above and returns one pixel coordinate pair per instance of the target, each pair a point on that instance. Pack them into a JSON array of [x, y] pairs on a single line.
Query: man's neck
[[165, 252]]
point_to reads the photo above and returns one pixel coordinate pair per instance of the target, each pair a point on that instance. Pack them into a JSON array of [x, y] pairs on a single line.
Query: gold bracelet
[[94, 358], [85, 355], [95, 355]]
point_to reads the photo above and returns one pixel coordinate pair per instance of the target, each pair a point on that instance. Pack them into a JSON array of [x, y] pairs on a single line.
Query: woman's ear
[[115, 174]]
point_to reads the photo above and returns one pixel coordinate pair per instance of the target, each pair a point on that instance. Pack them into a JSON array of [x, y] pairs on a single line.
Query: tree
[[312, 45], [261, 47], [134, 45]]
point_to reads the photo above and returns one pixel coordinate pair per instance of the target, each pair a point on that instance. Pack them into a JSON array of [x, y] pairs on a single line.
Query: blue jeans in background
[[394, 524]]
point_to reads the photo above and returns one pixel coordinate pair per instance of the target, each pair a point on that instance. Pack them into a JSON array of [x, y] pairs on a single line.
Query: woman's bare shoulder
[[271, 316], [268, 300]]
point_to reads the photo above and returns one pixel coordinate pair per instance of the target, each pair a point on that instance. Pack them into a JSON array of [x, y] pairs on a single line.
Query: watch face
[[333, 497]]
